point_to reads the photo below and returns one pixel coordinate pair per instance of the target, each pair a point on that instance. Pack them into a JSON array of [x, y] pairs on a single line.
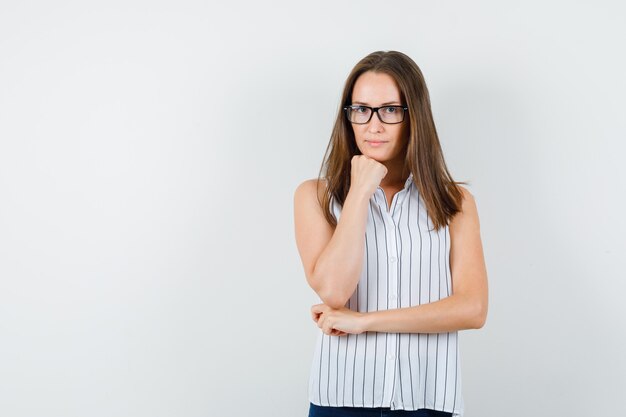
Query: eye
[[390, 110], [359, 109]]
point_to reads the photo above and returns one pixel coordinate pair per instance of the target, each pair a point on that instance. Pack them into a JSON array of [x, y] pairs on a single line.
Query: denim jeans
[[324, 411]]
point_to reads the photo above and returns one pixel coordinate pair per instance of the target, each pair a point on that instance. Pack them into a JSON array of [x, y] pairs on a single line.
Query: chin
[[378, 158]]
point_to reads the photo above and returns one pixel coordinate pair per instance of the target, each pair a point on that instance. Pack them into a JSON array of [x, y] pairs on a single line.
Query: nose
[[375, 125]]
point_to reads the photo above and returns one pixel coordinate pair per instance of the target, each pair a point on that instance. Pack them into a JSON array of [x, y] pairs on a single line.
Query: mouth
[[376, 143]]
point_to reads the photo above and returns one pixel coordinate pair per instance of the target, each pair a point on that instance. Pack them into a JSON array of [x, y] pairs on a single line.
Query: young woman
[[391, 244]]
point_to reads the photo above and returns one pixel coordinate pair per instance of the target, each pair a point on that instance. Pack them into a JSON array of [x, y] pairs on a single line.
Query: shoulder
[[468, 198], [308, 188], [308, 203], [307, 185], [468, 215]]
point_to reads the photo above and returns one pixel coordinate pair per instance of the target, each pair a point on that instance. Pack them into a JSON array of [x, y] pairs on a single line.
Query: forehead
[[375, 88]]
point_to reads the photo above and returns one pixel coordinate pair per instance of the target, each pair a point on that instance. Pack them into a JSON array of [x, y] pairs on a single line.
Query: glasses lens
[[391, 114], [358, 114]]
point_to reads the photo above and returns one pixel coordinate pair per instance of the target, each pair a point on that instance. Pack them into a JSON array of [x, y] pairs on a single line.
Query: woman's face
[[374, 90]]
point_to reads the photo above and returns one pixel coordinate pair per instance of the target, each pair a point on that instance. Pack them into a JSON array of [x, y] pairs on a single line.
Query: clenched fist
[[366, 174]]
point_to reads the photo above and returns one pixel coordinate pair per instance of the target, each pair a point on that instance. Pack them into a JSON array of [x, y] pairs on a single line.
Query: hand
[[366, 173], [337, 322]]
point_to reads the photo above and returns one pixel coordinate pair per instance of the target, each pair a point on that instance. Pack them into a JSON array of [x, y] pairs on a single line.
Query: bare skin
[[333, 258]]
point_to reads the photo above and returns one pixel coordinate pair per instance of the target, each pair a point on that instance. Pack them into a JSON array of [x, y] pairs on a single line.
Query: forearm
[[339, 266], [446, 315]]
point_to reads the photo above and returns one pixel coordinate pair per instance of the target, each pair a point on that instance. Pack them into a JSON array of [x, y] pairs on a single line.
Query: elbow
[[332, 298], [330, 295], [479, 316]]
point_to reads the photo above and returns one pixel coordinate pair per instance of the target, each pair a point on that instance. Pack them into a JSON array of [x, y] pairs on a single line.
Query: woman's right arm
[[333, 258]]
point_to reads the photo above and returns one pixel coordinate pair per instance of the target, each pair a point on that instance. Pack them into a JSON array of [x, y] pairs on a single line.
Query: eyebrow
[[395, 102]]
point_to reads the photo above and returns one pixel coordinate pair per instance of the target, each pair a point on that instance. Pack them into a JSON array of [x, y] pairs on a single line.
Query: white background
[[149, 152]]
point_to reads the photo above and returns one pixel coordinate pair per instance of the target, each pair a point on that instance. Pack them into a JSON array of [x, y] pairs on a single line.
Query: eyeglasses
[[387, 114]]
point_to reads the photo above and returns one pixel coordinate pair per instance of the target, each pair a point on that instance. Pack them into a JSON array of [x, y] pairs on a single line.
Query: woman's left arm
[[466, 308]]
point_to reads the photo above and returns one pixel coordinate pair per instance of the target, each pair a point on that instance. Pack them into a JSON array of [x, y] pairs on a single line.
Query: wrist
[[359, 195], [365, 322]]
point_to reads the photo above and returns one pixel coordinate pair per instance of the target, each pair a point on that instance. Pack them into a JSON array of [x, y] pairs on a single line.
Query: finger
[[319, 308], [325, 324], [328, 327]]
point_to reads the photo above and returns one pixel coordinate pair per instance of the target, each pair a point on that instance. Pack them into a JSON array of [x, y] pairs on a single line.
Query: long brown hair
[[424, 157]]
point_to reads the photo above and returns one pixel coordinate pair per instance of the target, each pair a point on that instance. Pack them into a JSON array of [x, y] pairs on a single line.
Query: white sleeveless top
[[405, 264]]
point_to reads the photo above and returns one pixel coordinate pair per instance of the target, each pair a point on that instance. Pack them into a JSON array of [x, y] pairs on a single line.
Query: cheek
[[358, 132]]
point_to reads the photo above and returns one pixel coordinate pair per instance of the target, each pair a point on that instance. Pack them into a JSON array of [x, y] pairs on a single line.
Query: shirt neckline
[[408, 181]]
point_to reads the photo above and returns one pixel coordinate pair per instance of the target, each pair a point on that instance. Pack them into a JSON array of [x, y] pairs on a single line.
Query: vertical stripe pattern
[[406, 263]]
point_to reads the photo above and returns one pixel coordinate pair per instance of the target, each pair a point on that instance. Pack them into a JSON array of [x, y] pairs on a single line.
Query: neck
[[396, 175]]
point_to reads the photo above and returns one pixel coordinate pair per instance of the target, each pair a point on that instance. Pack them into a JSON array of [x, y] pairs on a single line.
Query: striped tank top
[[405, 264]]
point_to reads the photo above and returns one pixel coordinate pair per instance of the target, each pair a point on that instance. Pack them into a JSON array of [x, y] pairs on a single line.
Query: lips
[[375, 144]]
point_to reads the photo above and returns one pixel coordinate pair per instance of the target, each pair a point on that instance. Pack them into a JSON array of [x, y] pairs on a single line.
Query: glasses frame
[[374, 110]]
